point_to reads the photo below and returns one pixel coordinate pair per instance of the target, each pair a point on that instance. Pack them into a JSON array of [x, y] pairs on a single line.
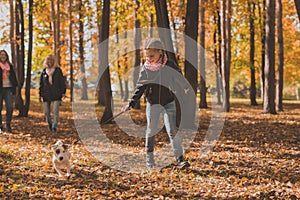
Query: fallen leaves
[[257, 156]]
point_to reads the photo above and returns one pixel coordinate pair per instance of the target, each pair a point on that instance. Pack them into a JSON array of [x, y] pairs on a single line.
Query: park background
[[254, 43]]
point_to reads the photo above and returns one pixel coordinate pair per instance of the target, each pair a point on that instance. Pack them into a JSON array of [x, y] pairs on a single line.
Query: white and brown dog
[[61, 158]]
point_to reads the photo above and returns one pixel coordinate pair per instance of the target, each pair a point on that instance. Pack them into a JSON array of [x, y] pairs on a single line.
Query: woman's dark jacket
[[158, 86], [55, 91], [12, 77]]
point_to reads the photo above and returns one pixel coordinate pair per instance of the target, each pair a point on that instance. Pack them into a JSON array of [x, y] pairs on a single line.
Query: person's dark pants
[[8, 97], [53, 122]]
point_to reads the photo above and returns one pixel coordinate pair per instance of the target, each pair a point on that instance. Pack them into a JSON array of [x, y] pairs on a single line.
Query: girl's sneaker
[[150, 159], [182, 163], [8, 128]]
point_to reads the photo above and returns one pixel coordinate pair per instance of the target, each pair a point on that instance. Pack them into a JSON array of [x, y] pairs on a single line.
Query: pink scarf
[[153, 65], [50, 72], [5, 69]]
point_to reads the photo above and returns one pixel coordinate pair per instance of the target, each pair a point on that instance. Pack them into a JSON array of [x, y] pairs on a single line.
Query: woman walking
[[52, 90], [8, 84]]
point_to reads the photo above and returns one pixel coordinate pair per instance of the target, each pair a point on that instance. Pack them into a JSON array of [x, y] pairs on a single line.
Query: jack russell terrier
[[61, 158]]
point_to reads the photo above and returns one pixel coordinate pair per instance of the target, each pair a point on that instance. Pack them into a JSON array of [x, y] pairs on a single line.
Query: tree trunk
[[126, 87], [228, 54], [279, 105], [173, 19], [126, 91], [251, 6], [269, 96], [297, 3], [120, 83], [262, 22], [220, 52], [12, 33], [84, 95], [119, 66], [203, 92], [225, 51], [297, 94], [103, 62], [55, 15], [137, 44], [29, 59], [71, 49], [53, 25], [162, 21], [18, 53], [100, 90], [58, 31], [217, 54], [151, 25], [191, 59], [20, 56]]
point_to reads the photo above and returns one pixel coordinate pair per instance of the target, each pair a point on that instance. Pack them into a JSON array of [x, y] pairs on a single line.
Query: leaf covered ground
[[256, 157]]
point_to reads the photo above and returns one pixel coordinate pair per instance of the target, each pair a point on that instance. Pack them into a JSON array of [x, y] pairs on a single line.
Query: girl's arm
[[139, 88]]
